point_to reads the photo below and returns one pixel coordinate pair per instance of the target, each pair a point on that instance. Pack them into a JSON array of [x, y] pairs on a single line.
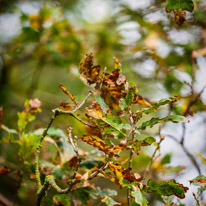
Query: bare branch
[[189, 155]]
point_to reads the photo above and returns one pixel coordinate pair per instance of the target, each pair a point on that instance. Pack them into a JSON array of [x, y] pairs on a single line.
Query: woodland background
[[42, 43]]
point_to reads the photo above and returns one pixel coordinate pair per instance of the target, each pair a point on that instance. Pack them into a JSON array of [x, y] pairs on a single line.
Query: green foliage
[[154, 121], [107, 142], [166, 188]]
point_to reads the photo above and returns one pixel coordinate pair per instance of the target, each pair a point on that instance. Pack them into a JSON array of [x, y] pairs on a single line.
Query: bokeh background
[[42, 43]]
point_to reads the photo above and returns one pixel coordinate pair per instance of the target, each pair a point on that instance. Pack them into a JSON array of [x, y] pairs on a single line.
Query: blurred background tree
[[42, 43]]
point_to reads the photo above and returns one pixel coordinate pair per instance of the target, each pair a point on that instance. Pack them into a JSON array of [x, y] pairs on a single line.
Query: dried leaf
[[66, 106], [4, 170], [88, 73], [63, 88]]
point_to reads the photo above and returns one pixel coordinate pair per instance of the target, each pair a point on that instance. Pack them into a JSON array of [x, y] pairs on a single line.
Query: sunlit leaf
[[117, 65], [139, 198], [166, 188], [109, 201], [94, 111], [63, 88]]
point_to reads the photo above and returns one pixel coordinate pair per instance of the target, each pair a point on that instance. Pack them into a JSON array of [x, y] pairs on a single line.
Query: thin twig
[[83, 102], [71, 113], [37, 172], [49, 180], [76, 151], [95, 173]]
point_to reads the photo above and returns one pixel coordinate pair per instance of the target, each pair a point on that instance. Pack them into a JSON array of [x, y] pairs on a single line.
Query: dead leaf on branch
[[66, 106], [88, 73], [63, 88], [179, 7], [120, 173]]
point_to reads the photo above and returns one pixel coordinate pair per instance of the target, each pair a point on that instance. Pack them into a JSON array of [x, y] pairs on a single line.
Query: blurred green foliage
[[155, 53]]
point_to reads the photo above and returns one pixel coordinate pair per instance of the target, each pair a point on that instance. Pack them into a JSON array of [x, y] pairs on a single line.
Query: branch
[[38, 149], [49, 181], [71, 113], [83, 102], [189, 155], [70, 138]]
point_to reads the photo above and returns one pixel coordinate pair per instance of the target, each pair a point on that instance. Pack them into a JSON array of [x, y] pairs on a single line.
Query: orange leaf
[[72, 97]]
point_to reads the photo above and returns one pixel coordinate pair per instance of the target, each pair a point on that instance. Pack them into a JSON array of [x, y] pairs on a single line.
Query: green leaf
[[28, 144], [109, 201], [139, 198], [24, 119], [187, 5], [166, 159], [130, 95], [105, 192], [166, 188], [83, 194], [100, 101], [154, 121], [122, 104], [57, 173], [62, 199], [149, 140], [156, 105]]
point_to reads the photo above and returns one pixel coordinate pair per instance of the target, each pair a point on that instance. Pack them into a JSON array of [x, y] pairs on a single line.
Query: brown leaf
[[63, 88], [95, 142], [66, 106], [121, 173], [4, 170], [88, 73], [138, 99], [72, 162], [113, 88], [180, 17]]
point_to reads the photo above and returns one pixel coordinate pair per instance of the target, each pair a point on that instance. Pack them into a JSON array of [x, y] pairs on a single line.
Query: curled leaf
[[63, 88]]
